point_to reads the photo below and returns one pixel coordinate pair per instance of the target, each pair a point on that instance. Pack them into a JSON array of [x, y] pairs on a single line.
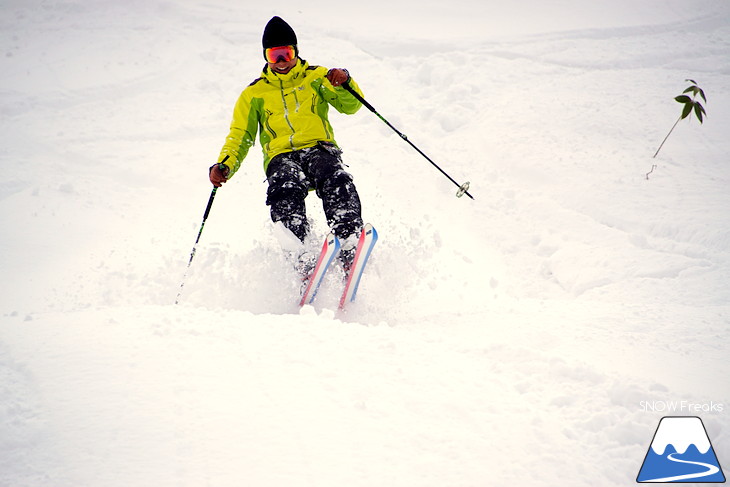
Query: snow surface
[[533, 336]]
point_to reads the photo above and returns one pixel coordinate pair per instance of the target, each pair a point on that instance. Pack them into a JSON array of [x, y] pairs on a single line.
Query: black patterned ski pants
[[291, 175]]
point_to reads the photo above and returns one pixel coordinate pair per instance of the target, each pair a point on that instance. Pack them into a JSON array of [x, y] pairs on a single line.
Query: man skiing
[[288, 105]]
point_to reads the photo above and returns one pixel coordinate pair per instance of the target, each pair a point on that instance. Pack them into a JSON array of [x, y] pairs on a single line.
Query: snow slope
[[516, 339]]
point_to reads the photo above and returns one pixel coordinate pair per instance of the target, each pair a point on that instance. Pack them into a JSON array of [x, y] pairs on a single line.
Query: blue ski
[[365, 245], [330, 249]]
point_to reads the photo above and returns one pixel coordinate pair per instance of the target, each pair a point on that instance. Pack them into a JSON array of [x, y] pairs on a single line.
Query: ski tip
[[368, 228]]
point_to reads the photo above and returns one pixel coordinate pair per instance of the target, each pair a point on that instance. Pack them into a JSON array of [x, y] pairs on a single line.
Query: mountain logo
[[680, 452]]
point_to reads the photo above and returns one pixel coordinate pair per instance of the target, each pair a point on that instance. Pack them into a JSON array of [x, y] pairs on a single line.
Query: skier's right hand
[[218, 174]]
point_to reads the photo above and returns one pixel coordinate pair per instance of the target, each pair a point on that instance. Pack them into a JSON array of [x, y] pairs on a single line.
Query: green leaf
[[691, 81], [683, 99], [687, 110], [698, 112], [698, 104], [702, 94]]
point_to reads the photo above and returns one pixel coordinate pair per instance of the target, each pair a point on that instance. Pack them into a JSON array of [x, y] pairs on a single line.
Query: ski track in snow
[[508, 340]]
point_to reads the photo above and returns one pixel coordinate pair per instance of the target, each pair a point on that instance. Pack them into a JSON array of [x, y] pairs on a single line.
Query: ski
[[368, 238], [330, 248]]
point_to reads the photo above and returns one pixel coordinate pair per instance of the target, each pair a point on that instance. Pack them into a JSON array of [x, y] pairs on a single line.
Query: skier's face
[[283, 67]]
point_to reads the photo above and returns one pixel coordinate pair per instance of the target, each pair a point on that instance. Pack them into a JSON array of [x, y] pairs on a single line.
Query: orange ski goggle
[[274, 54]]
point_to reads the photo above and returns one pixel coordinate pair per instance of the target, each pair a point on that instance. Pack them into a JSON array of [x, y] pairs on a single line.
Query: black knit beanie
[[278, 33]]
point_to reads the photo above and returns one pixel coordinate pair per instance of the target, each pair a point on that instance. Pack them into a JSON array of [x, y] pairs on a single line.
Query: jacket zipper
[[286, 114]]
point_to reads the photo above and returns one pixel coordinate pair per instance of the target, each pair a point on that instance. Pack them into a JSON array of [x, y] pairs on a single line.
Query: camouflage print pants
[[291, 175]]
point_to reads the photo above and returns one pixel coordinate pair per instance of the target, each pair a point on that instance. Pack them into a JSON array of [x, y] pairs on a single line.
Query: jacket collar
[[292, 77]]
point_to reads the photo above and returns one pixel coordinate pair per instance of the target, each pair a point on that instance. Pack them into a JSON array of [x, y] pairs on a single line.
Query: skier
[[288, 106]]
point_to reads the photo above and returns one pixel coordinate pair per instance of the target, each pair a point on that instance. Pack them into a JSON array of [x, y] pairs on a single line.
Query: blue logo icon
[[681, 452]]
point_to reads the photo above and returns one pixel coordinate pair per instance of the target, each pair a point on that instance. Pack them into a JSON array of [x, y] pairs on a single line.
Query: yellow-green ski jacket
[[288, 110]]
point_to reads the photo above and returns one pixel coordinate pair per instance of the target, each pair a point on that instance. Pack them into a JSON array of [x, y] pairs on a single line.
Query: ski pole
[[463, 188], [200, 232]]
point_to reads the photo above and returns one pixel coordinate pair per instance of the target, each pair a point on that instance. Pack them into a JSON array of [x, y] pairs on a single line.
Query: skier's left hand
[[337, 76]]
